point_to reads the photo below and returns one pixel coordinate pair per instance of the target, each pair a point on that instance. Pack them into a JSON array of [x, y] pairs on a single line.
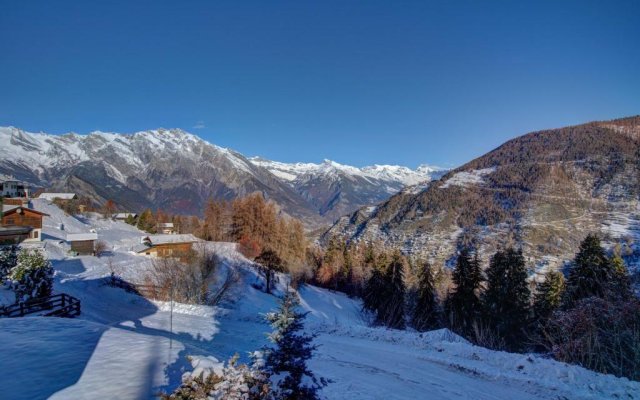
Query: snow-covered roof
[[124, 215], [165, 224], [10, 207], [165, 239], [75, 237], [53, 196]]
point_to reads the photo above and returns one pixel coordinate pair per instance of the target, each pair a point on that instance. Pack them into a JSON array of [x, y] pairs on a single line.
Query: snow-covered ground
[[123, 346], [470, 178]]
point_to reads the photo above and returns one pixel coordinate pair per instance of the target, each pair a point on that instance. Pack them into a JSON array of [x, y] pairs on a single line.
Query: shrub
[[598, 334], [231, 382], [8, 260], [32, 277]]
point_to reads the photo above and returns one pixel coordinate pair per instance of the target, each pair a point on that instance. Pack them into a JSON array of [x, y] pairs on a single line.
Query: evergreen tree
[[463, 305], [590, 275], [391, 310], [506, 299], [373, 296], [621, 287], [130, 220], [548, 296], [287, 360], [425, 313], [32, 277], [146, 221], [270, 264], [8, 260]]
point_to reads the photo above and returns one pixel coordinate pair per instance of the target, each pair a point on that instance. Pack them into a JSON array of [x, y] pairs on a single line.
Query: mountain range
[[178, 172], [542, 192]]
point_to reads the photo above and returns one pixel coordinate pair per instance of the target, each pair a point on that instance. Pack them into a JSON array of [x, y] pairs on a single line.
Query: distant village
[[21, 224]]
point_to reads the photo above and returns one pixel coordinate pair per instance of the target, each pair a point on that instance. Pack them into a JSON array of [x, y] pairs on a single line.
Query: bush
[[100, 247], [32, 277], [8, 260], [231, 382], [598, 334], [184, 282]]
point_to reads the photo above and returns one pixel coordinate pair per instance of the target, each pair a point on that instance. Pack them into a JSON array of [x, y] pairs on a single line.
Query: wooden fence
[[57, 305]]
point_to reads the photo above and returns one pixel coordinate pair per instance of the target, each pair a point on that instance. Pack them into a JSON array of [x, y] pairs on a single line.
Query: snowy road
[[361, 369]]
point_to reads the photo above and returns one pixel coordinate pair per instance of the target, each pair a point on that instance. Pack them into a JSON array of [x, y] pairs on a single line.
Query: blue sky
[[357, 82]]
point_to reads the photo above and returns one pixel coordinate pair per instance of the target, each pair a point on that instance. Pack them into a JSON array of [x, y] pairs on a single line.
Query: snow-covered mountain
[[334, 188], [542, 192], [178, 171]]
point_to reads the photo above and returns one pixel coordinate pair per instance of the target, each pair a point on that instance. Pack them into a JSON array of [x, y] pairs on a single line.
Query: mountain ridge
[[174, 170], [542, 191]]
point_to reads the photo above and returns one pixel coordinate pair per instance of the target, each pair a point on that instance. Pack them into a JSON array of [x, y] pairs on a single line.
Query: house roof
[[10, 208], [53, 196], [7, 230], [75, 237], [124, 215], [166, 239], [165, 224]]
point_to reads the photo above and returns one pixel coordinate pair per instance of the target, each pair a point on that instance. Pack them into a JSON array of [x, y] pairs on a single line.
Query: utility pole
[[171, 319]]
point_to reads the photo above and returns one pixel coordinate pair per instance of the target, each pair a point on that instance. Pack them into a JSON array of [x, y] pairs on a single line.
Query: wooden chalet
[[166, 246], [63, 197], [13, 215], [165, 228]]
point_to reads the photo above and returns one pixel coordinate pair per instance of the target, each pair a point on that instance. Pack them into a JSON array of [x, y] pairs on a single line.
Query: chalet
[[82, 243], [58, 196], [16, 201], [13, 215], [13, 189], [13, 234], [124, 216], [166, 246], [165, 228]]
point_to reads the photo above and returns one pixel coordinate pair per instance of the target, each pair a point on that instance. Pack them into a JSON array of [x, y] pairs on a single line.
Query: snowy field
[[122, 347]]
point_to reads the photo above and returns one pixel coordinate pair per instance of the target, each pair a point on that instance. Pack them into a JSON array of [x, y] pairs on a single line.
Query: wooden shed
[[82, 243]]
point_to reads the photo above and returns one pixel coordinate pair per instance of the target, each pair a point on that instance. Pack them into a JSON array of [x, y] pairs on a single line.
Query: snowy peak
[[177, 171], [394, 174]]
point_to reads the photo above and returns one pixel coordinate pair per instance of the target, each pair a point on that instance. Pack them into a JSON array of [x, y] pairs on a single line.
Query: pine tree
[[506, 299], [590, 275], [621, 287], [425, 313], [463, 306], [548, 296], [32, 277], [270, 264], [287, 360], [391, 310], [373, 296]]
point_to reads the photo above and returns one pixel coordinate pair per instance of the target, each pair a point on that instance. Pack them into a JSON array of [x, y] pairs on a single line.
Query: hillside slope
[[124, 346], [543, 191]]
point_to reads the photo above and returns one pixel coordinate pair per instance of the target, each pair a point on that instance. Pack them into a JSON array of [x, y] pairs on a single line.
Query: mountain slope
[[335, 189], [543, 191], [177, 171]]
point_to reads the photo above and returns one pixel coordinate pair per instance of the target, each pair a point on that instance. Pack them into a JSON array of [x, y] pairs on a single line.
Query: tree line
[[591, 317]]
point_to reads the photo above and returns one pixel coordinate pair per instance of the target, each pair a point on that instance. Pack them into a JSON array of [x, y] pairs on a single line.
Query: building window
[[35, 234]]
